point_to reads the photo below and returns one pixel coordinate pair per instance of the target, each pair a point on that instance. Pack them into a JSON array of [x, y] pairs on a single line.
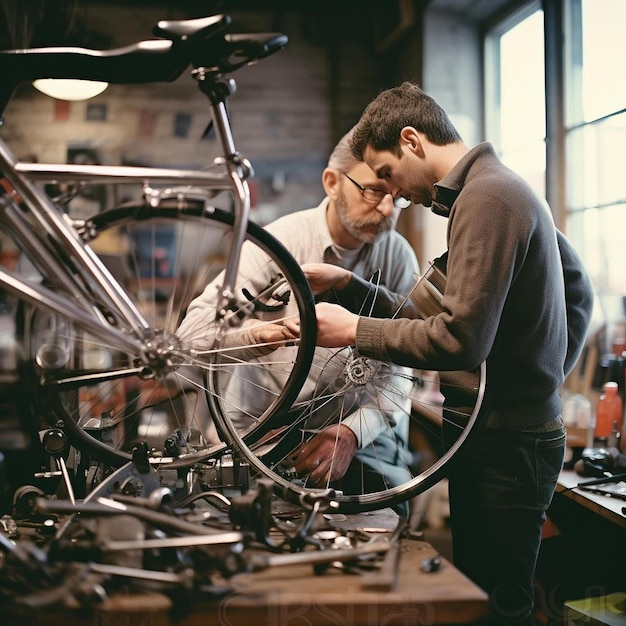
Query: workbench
[[583, 552], [606, 507], [296, 595]]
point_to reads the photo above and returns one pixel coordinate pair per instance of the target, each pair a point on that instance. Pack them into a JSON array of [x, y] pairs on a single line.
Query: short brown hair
[[393, 109]]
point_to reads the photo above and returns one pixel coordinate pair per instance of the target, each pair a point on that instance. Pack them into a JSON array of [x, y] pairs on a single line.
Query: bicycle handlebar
[[200, 43], [143, 62]]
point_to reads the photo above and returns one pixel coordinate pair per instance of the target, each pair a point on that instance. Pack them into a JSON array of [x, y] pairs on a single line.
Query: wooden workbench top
[[294, 594], [279, 595], [609, 508]]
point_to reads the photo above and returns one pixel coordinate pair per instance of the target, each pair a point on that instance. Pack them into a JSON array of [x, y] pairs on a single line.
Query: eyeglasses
[[376, 196]]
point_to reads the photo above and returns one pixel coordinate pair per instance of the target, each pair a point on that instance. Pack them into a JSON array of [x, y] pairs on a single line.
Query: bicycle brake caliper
[[276, 290]]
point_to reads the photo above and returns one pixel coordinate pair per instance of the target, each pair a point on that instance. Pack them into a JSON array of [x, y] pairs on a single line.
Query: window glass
[[599, 233], [518, 126], [595, 159], [596, 66], [529, 161], [595, 98], [522, 84]]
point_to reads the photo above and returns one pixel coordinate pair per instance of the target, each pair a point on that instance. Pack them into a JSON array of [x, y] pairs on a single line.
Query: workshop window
[[588, 167], [595, 98], [515, 117]]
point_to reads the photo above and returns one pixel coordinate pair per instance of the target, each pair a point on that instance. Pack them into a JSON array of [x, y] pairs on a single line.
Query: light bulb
[[70, 89]]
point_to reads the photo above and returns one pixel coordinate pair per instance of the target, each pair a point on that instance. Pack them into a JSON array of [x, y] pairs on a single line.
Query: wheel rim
[[117, 401], [350, 388]]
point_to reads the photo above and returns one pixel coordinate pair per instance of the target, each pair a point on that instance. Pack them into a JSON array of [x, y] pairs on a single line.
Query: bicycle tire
[[362, 382], [160, 242], [407, 456]]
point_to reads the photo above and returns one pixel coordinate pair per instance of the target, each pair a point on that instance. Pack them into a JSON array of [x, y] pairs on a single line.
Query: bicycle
[[99, 336]]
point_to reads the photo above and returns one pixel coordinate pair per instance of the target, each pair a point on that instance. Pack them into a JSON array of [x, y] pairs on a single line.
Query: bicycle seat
[[143, 62]]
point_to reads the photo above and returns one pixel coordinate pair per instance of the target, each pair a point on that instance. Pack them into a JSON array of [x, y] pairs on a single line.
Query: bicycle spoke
[[113, 401]]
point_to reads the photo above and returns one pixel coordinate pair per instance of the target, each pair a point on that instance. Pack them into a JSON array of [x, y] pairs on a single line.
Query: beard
[[365, 229]]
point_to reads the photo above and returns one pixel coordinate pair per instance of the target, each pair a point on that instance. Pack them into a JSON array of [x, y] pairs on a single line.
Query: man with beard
[[354, 228]]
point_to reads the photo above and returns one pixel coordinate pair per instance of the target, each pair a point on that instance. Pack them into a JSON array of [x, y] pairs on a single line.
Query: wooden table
[[583, 551], [606, 507], [294, 595]]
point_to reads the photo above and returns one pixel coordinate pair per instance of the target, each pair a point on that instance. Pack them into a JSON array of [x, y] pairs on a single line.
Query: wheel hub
[[159, 355], [359, 370]]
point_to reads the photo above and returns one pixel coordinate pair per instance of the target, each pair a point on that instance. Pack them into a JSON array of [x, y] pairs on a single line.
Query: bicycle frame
[[252, 370], [23, 177], [74, 285]]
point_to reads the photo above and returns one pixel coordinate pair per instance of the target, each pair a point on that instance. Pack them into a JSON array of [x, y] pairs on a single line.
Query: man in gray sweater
[[504, 302]]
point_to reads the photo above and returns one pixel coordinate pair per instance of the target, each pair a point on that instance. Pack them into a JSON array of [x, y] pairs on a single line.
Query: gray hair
[[341, 158]]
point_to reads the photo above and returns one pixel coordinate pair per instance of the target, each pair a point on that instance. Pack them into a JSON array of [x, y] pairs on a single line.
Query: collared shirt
[[307, 237]]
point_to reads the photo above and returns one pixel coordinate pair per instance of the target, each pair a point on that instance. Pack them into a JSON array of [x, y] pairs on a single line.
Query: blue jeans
[[499, 494]]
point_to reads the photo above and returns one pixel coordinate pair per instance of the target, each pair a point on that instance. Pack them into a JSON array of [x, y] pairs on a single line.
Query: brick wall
[[287, 113]]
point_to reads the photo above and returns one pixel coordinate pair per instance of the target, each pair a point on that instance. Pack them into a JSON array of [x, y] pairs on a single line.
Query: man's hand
[[324, 276], [327, 456], [336, 326], [269, 337]]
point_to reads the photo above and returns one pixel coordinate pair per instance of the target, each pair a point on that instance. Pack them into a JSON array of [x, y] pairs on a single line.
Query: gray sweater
[[504, 300]]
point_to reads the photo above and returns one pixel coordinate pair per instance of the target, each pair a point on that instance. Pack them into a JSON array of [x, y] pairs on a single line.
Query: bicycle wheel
[[166, 256], [407, 439]]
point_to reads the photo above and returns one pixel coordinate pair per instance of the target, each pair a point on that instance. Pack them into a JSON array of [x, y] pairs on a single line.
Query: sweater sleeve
[[481, 264]]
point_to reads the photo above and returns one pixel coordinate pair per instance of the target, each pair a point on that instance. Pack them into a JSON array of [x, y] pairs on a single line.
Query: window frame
[[564, 118]]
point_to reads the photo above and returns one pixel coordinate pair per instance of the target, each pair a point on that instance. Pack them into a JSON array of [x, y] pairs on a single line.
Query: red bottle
[[608, 411]]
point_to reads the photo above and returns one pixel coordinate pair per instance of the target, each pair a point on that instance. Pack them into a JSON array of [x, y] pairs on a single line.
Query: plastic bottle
[[609, 410]]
